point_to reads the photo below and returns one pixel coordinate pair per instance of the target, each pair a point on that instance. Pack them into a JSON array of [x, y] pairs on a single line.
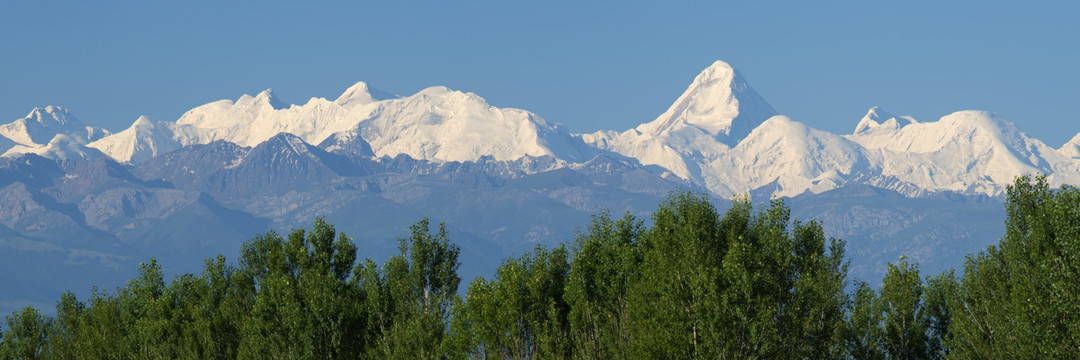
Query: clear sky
[[589, 66]]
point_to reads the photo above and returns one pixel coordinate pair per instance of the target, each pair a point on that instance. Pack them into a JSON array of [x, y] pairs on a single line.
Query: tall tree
[[743, 285], [417, 289], [940, 292], [522, 313], [607, 260], [904, 321], [863, 334], [305, 307], [64, 332], [146, 312], [680, 269], [1021, 299], [26, 336]]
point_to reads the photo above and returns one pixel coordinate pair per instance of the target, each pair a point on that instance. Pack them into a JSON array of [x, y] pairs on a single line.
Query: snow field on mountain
[[719, 134]]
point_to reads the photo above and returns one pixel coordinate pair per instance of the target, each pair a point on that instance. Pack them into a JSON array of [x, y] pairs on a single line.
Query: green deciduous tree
[[607, 260], [146, 311], [1021, 299], [305, 306], [940, 292], [522, 313], [64, 332], [26, 336], [904, 321], [673, 307], [414, 295], [862, 337], [743, 285]]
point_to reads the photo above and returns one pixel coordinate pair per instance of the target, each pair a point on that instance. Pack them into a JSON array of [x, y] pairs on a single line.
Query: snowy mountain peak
[[717, 111], [143, 140], [719, 134], [718, 71], [265, 99], [268, 97], [1071, 148], [790, 157], [435, 91], [442, 96], [718, 102], [293, 142], [358, 94], [281, 148], [877, 119], [878, 115], [142, 122], [436, 123], [441, 124], [347, 143], [41, 125], [977, 119], [252, 120], [52, 116], [961, 130], [783, 126], [361, 93]]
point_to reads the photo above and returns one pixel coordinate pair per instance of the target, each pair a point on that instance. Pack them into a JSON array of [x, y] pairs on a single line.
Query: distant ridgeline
[[719, 134], [696, 284], [81, 206]]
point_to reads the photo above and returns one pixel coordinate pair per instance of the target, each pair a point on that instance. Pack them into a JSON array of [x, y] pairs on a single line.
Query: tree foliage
[[745, 284], [522, 313], [1021, 299], [698, 283], [607, 261]]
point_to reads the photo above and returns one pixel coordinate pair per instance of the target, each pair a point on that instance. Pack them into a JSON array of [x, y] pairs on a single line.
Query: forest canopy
[[698, 283]]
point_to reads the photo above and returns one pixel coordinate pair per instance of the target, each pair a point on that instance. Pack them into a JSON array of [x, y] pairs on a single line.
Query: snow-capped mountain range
[[80, 200], [719, 134]]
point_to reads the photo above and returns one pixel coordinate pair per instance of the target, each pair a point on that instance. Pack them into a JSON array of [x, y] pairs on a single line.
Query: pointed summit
[[52, 116], [716, 112], [718, 71], [41, 125], [142, 122], [1071, 148], [877, 114], [876, 118], [143, 140], [278, 165], [348, 143], [719, 102], [287, 141], [267, 96], [359, 94], [356, 94]]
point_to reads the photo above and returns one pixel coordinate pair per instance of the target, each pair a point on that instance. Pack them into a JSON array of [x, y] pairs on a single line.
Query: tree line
[[748, 283]]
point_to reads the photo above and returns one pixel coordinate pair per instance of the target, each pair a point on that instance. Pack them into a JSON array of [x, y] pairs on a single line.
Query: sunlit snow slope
[[700, 138], [719, 134], [435, 124]]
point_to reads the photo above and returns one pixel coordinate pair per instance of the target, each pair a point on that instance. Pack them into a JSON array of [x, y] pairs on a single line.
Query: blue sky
[[588, 66]]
